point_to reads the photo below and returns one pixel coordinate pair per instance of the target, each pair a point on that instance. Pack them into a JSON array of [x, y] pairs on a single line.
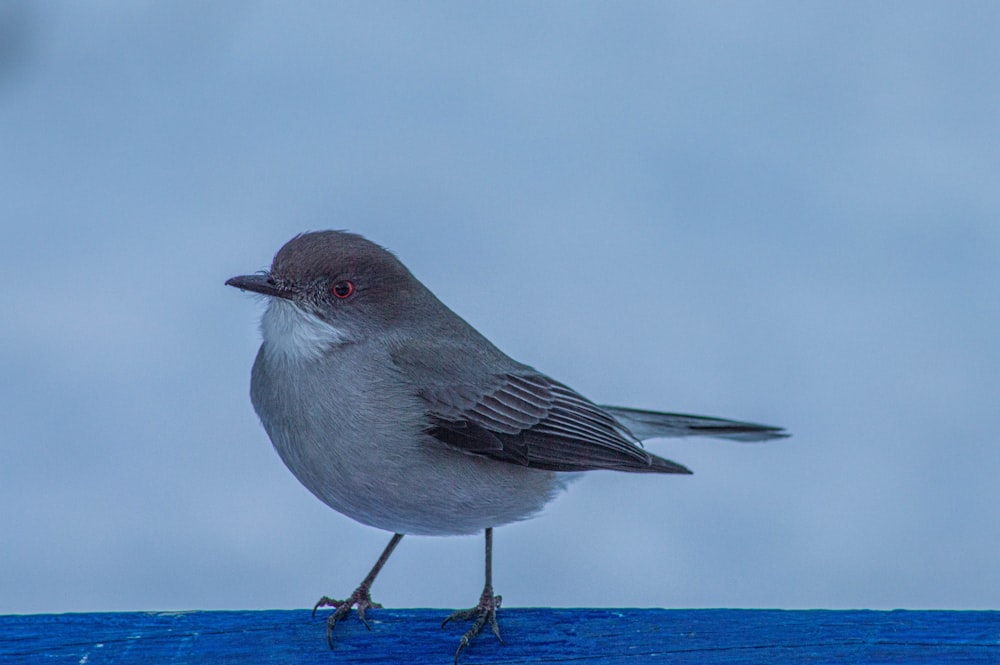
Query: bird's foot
[[485, 611], [360, 598]]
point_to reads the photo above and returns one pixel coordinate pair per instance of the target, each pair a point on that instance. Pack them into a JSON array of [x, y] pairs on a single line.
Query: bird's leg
[[361, 596], [486, 610]]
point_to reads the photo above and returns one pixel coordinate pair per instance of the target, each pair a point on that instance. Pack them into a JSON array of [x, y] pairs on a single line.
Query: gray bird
[[394, 411]]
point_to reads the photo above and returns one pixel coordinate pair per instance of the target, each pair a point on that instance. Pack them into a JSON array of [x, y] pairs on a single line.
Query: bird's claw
[[361, 598], [485, 611]]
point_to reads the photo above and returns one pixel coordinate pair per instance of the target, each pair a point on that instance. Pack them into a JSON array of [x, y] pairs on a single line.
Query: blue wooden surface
[[531, 636]]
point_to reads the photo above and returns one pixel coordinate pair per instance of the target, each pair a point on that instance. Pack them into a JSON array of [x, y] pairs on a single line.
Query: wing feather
[[520, 416], [532, 420]]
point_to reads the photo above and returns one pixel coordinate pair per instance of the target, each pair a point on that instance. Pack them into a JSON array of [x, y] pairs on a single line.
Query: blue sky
[[781, 212]]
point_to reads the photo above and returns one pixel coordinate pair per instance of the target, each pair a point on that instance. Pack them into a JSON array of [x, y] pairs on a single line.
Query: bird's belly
[[414, 486], [353, 435]]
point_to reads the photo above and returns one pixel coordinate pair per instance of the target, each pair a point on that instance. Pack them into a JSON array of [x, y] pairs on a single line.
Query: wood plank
[[531, 635]]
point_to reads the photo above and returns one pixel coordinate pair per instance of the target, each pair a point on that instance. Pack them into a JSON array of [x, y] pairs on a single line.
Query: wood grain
[[530, 635]]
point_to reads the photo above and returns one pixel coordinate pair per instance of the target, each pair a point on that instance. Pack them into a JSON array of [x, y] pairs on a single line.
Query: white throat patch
[[292, 333]]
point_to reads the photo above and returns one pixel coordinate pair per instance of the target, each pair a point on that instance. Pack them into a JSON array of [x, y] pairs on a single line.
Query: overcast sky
[[780, 212]]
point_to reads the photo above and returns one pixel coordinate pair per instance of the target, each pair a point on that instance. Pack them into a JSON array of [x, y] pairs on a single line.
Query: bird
[[394, 411]]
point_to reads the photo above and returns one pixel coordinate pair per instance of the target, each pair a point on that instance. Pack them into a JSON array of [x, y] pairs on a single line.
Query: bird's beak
[[261, 283]]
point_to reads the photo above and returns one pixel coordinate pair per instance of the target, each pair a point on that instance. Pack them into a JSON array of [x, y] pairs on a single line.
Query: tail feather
[[654, 424]]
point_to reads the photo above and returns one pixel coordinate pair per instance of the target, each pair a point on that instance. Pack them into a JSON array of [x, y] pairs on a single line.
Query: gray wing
[[522, 417], [652, 424]]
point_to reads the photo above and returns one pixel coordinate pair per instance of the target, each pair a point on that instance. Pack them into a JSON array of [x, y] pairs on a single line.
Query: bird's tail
[[654, 424]]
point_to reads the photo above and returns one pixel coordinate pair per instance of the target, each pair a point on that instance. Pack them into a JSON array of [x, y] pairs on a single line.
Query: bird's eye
[[343, 289]]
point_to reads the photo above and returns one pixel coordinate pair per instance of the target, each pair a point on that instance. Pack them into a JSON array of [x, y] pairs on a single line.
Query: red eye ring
[[343, 289]]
